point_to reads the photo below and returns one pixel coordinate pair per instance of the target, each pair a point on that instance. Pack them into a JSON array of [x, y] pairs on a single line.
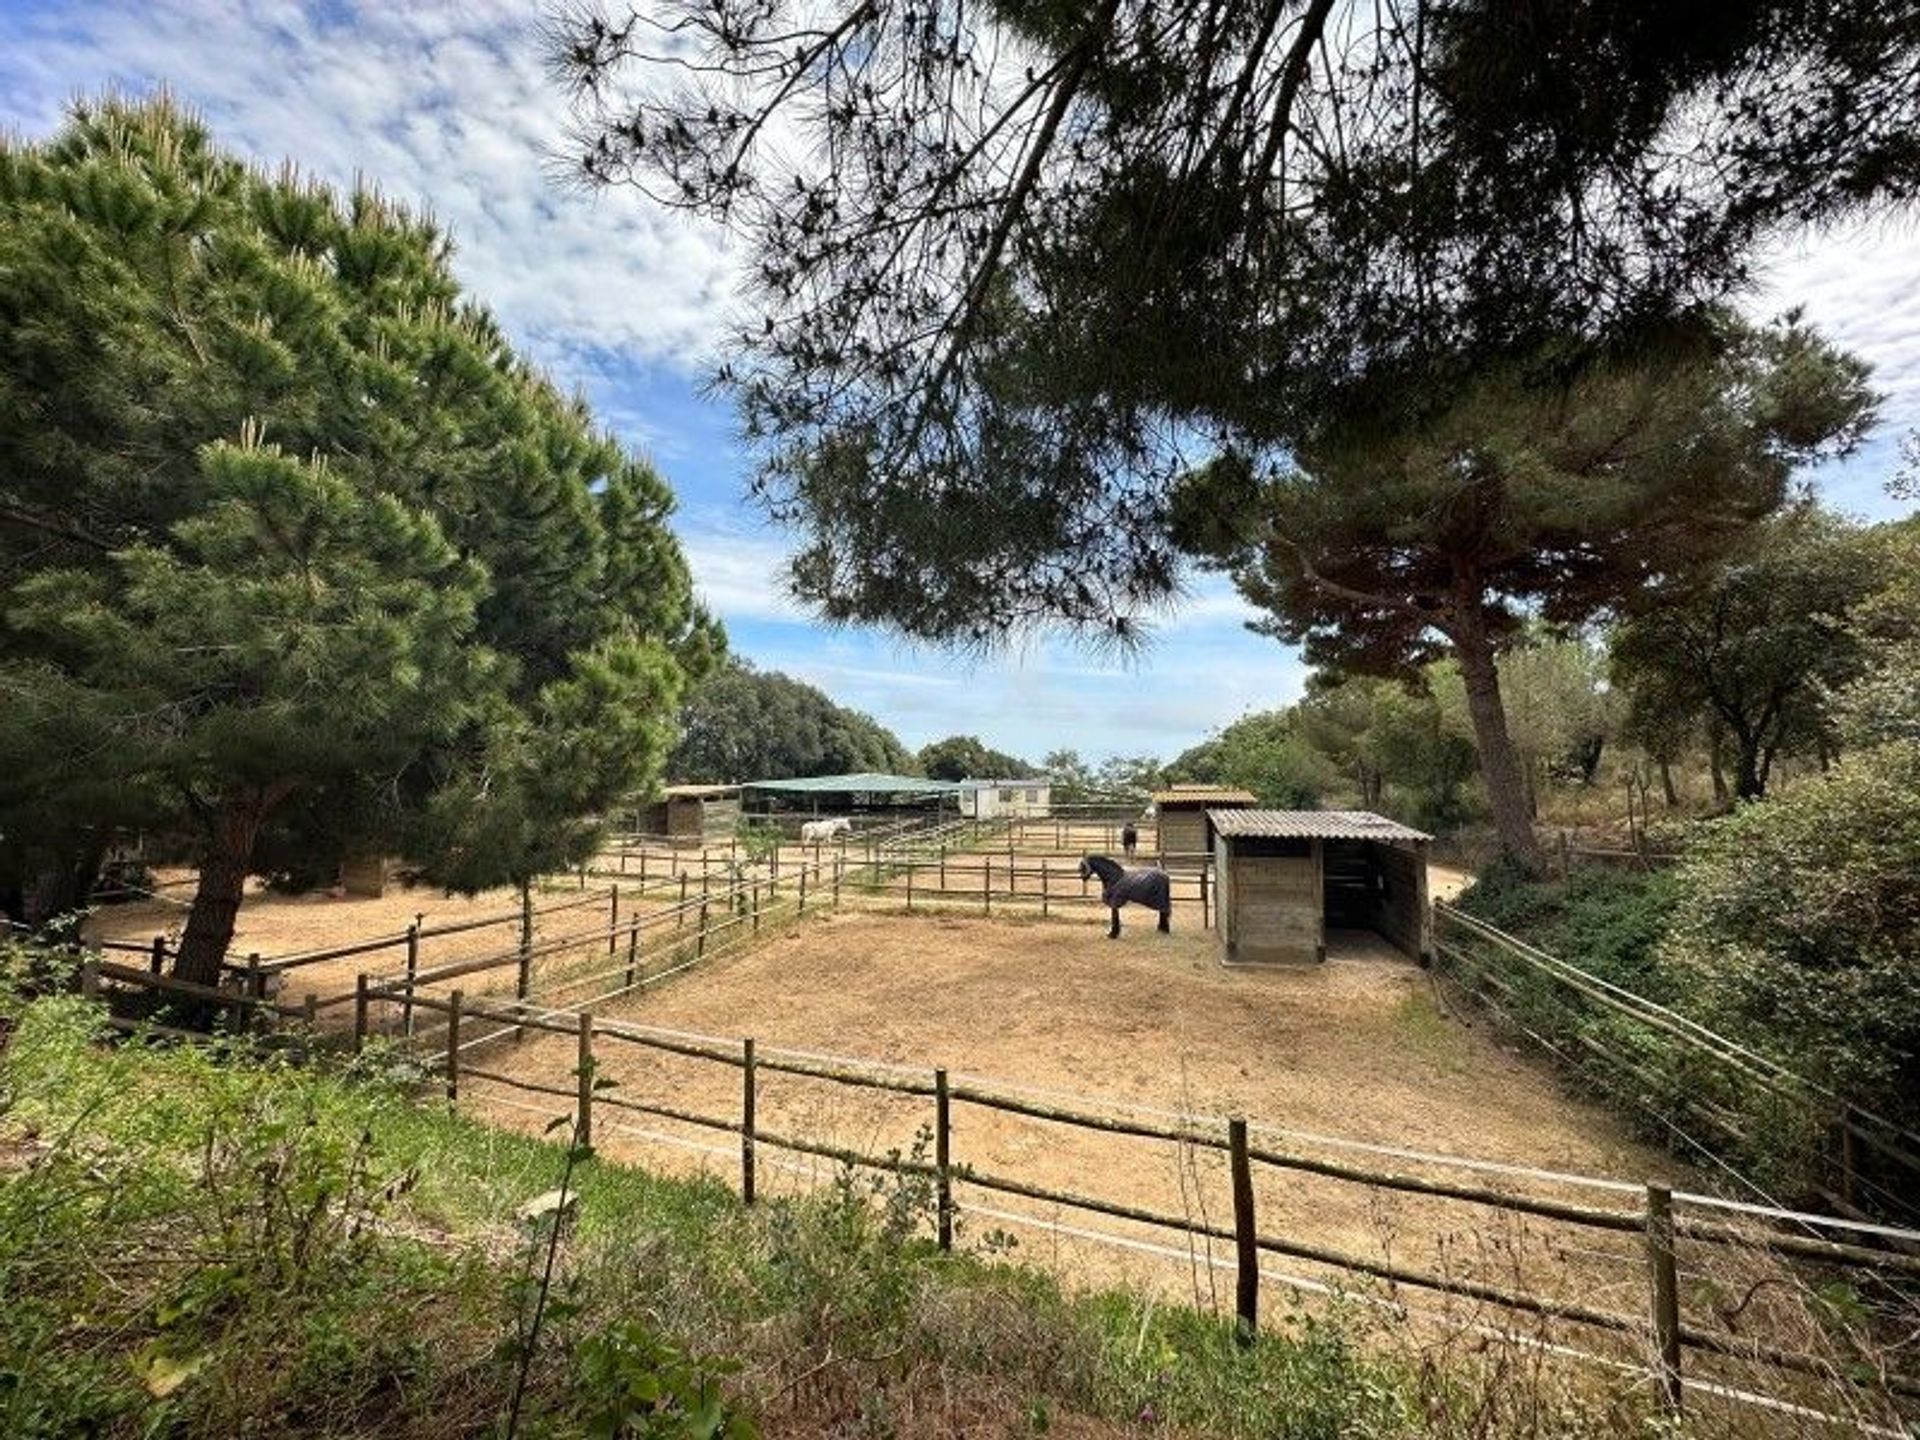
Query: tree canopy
[[748, 724], [317, 564], [1381, 551], [965, 757], [1008, 266], [1756, 644]]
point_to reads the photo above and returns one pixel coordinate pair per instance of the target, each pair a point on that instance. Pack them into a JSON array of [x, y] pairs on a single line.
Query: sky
[[449, 107]]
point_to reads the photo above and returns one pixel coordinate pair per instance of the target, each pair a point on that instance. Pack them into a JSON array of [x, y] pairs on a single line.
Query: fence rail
[[1663, 1330]]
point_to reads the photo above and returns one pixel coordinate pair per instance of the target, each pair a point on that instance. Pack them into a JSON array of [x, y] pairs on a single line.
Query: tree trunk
[[216, 902], [1716, 755], [1499, 764], [1749, 771], [61, 883], [1668, 793]]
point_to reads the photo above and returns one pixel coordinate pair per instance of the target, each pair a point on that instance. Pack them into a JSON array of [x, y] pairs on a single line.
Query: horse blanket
[[1147, 887]]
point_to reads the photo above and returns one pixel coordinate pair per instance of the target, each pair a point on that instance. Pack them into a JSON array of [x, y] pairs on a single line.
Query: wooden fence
[[1662, 1221], [1690, 1082]]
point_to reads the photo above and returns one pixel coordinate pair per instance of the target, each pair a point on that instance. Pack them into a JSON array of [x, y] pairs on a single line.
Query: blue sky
[[448, 107]]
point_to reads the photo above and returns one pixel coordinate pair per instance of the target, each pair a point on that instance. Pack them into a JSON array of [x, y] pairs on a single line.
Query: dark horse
[[1146, 886]]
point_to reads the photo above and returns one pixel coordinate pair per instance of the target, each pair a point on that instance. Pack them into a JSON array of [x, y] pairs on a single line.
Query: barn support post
[[413, 969], [584, 1070], [360, 1012], [747, 1072], [1246, 1296], [943, 1158], [613, 922], [1665, 1284], [453, 1047]]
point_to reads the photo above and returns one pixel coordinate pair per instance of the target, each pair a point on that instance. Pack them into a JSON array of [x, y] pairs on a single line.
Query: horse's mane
[[1106, 867]]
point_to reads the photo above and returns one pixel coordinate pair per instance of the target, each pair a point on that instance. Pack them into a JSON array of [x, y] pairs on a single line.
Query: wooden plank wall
[[1275, 909]]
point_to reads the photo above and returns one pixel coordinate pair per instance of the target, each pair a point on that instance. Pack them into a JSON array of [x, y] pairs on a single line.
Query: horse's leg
[[1114, 933], [1166, 921]]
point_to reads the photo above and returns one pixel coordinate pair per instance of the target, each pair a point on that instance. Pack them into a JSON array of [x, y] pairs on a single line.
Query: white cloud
[[449, 108]]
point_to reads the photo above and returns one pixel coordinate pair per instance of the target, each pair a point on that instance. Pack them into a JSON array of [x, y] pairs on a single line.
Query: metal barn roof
[[698, 792], [1205, 795], [1311, 825], [864, 783]]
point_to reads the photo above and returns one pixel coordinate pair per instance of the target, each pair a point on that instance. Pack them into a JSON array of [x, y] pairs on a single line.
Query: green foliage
[[1797, 929], [1264, 753], [1757, 645], [964, 757], [631, 1384], [213, 1242], [298, 551], [747, 724]]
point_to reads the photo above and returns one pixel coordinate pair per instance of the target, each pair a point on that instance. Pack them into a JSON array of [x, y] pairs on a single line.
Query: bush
[[1797, 929]]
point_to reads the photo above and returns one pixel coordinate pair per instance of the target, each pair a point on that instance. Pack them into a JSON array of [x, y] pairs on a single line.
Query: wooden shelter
[[1180, 820], [693, 814], [1286, 877]]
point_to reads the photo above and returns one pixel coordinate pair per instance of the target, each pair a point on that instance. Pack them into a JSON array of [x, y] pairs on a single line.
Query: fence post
[[943, 1157], [838, 861], [613, 922], [90, 977], [254, 1017], [700, 939], [943, 867], [159, 961], [803, 884], [1043, 889], [680, 918], [523, 982], [986, 883], [453, 1047], [585, 1071], [909, 887], [413, 968], [360, 1012], [1849, 1155], [633, 950], [746, 1121], [1246, 1298], [1666, 1296]]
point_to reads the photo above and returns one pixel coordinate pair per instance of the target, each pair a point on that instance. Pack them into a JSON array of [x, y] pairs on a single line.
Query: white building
[[986, 799]]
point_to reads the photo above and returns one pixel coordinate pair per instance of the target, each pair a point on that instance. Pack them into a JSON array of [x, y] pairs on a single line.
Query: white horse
[[815, 831]]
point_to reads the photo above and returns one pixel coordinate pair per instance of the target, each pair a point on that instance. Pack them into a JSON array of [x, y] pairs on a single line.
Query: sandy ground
[[1358, 1048]]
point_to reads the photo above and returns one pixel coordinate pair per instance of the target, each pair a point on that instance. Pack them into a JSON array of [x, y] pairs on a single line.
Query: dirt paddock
[[1357, 1049]]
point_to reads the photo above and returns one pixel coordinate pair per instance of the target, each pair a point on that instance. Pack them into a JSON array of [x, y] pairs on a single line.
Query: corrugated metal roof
[[1311, 825], [864, 783], [698, 792], [1205, 795]]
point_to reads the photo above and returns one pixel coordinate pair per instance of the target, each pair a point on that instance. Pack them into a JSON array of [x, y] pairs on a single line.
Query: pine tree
[[326, 564]]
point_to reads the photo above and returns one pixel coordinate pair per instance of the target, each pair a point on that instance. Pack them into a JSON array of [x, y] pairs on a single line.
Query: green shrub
[[1797, 929]]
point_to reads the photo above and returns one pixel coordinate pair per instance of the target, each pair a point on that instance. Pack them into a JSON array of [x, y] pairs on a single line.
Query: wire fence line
[[1662, 1332], [1698, 1088]]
